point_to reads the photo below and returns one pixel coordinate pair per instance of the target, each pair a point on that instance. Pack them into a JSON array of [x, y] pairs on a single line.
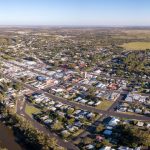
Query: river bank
[[7, 139]]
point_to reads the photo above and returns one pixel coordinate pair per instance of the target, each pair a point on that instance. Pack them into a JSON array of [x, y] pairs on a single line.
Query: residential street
[[21, 111], [89, 108], [61, 142]]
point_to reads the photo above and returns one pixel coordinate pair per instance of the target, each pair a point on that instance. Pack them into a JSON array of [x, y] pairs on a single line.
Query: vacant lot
[[31, 110], [105, 105], [136, 45]]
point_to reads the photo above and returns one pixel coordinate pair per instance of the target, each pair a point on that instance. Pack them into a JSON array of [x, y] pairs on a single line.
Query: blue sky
[[75, 12]]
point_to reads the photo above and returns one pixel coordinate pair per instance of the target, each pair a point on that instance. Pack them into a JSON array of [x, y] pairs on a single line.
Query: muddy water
[[7, 139]]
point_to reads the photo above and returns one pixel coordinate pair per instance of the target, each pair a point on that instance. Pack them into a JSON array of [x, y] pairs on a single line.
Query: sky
[[75, 12]]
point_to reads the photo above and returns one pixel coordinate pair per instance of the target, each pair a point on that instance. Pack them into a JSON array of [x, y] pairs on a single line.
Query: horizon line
[[75, 26]]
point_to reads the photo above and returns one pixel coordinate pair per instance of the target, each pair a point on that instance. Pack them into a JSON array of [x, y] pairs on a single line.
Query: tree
[[87, 140], [49, 142], [91, 93], [99, 128], [65, 135], [4, 86], [57, 126], [1, 98], [17, 86], [70, 111], [71, 121], [27, 133], [132, 136], [105, 143]]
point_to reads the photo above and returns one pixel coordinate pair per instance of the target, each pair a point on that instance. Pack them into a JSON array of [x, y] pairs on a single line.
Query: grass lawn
[[104, 105], [136, 45], [77, 133], [31, 109]]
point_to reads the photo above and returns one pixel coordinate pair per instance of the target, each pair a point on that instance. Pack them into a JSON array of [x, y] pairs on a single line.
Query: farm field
[[136, 45]]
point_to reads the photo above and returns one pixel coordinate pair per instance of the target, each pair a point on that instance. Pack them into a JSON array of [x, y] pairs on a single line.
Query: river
[[7, 139]]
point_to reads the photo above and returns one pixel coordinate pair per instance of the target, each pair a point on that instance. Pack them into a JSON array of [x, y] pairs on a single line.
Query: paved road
[[37, 125], [85, 107], [92, 109], [112, 77], [119, 99], [69, 145]]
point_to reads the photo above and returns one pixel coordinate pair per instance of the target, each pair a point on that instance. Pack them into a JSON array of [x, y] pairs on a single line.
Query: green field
[[31, 110], [104, 105], [136, 45]]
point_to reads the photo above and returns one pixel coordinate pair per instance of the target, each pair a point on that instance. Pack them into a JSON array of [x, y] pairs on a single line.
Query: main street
[[69, 145]]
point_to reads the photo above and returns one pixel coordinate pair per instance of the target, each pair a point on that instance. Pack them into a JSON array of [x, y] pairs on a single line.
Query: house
[[97, 103], [125, 148], [52, 108], [137, 148], [142, 99], [148, 125], [136, 97], [90, 103], [101, 85], [99, 138], [140, 124], [114, 96], [90, 115], [62, 114], [109, 127], [106, 148], [107, 132], [130, 110], [58, 105], [44, 117], [77, 111], [58, 90], [147, 112], [90, 146], [47, 121], [78, 124], [41, 78], [138, 110], [84, 113], [113, 122], [51, 102], [113, 86], [123, 109], [97, 72], [83, 101], [78, 99], [65, 132], [58, 75], [129, 99], [73, 128]]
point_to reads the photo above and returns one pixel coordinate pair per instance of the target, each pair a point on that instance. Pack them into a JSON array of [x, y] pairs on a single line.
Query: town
[[85, 97]]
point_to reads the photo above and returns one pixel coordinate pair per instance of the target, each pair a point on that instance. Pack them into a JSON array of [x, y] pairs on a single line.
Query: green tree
[[87, 140], [133, 136], [17, 86], [71, 121], [105, 143], [99, 128], [57, 126]]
